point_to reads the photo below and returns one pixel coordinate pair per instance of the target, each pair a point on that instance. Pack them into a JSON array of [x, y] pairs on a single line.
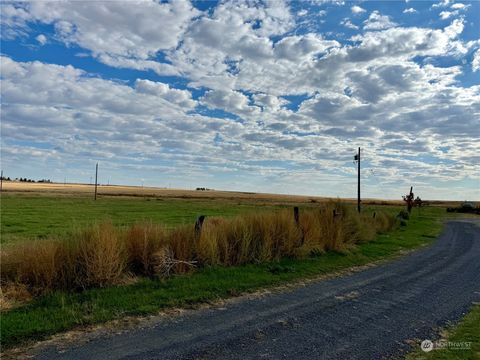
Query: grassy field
[[39, 214], [26, 216], [61, 310]]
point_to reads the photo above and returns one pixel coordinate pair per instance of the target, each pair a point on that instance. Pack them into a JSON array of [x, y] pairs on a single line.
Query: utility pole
[[1, 182], [357, 159], [96, 178]]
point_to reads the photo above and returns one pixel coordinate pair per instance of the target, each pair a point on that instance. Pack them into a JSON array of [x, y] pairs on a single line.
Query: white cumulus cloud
[[348, 23], [42, 39], [476, 61], [377, 21], [357, 9]]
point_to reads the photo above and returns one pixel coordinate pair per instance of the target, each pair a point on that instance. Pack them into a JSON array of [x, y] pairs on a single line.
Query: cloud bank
[[244, 95]]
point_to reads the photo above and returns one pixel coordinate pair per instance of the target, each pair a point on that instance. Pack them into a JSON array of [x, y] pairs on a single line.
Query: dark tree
[[409, 199]]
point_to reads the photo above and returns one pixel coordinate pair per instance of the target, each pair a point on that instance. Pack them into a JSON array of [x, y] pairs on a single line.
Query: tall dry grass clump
[[34, 264], [91, 258], [384, 222], [181, 244], [329, 227], [152, 250], [99, 256], [103, 255], [248, 238], [142, 242], [336, 226]]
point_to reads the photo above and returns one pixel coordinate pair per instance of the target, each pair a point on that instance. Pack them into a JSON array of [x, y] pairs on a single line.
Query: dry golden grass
[[13, 294], [138, 191], [248, 238], [33, 263], [142, 242], [100, 257], [92, 258], [104, 255], [181, 246]]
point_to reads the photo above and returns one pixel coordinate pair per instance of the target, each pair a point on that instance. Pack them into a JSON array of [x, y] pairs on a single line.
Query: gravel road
[[372, 314]]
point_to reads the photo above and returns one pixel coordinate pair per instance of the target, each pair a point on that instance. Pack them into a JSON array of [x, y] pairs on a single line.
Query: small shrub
[[404, 215], [278, 269]]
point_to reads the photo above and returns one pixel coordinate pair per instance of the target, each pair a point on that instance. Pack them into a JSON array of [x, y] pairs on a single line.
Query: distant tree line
[[7, 178]]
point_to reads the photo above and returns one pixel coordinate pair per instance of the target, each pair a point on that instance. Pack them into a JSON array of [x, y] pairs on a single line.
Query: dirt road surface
[[373, 314]]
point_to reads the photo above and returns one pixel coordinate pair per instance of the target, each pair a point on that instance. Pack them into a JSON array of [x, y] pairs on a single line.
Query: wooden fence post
[[199, 224], [296, 216]]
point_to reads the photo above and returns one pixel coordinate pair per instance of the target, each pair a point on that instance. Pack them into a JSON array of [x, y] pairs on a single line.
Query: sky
[[262, 96]]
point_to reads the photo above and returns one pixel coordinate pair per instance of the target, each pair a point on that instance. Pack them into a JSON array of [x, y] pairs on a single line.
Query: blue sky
[[267, 96]]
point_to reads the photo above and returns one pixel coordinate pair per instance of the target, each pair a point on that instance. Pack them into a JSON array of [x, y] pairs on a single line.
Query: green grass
[[41, 216], [30, 216], [468, 330], [62, 311]]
